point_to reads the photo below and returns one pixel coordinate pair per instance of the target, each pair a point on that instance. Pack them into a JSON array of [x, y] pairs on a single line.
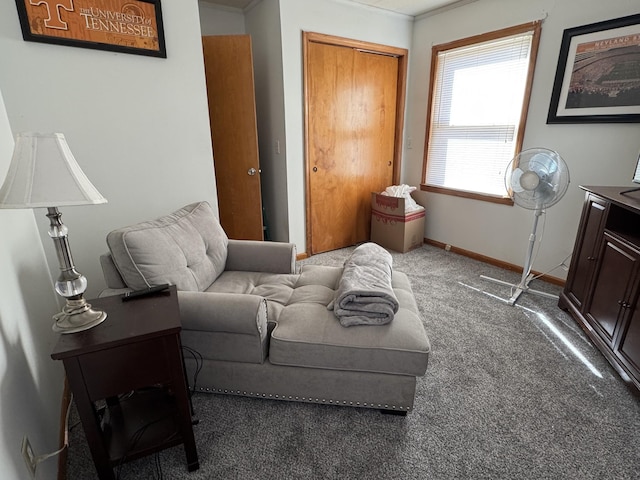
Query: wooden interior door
[[354, 99], [228, 65]]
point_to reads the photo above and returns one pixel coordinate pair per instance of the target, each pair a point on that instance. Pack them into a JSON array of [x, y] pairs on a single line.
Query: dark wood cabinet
[[585, 252], [614, 275], [629, 349], [603, 284]]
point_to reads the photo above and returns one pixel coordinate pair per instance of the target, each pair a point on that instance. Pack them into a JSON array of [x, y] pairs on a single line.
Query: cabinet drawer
[[122, 369]]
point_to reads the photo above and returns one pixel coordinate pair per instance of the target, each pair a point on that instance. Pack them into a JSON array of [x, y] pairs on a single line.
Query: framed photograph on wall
[[598, 75], [127, 26]]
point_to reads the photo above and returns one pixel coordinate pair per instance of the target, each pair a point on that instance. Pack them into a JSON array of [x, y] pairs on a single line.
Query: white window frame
[[533, 29]]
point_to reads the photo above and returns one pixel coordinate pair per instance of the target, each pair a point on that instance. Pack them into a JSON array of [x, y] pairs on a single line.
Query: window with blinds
[[479, 93]]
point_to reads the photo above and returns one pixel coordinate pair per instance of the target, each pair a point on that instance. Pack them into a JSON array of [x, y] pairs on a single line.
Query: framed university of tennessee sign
[[128, 26]]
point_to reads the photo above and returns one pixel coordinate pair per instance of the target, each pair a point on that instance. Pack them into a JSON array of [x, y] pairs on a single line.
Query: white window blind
[[476, 106]]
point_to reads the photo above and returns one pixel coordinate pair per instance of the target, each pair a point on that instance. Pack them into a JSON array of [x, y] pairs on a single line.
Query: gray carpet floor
[[511, 392]]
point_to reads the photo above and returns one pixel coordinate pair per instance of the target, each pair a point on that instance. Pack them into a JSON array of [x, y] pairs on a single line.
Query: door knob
[[252, 171]]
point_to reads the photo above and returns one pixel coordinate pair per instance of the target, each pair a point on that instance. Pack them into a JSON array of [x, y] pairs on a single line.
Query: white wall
[[137, 125], [263, 24], [30, 381], [331, 17], [216, 20], [599, 154]]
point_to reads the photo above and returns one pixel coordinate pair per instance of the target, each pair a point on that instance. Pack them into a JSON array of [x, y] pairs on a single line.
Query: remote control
[[144, 292]]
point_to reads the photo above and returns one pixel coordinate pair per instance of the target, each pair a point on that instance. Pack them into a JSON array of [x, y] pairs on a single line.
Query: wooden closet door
[[375, 86], [232, 115], [351, 140], [333, 180]]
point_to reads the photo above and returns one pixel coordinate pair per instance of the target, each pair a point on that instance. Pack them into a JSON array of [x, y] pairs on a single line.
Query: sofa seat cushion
[[187, 248], [273, 286], [309, 335], [314, 284]]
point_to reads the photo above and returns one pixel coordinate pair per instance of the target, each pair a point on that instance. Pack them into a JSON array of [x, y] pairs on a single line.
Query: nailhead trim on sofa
[[302, 399]]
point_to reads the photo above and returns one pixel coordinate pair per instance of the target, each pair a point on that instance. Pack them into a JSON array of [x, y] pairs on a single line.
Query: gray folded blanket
[[364, 295]]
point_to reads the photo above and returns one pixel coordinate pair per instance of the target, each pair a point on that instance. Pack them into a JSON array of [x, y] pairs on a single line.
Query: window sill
[[466, 194]]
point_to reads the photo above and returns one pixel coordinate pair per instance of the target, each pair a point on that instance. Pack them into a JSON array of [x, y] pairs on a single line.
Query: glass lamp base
[[77, 316]]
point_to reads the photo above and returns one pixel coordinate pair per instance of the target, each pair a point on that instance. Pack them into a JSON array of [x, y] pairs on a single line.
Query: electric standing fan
[[536, 179]]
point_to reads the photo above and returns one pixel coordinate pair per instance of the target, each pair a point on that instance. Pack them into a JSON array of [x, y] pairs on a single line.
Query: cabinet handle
[[591, 259]]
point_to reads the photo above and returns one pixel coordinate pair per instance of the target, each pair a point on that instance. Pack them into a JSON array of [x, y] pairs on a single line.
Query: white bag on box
[[403, 191]]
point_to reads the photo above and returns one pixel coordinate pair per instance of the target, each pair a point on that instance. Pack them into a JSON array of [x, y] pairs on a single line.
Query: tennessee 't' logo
[[53, 10]]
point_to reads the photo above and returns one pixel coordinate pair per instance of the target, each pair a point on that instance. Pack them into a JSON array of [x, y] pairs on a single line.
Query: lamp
[[44, 173]]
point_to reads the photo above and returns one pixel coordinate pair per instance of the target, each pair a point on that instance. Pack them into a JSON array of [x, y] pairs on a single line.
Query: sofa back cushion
[[187, 248]]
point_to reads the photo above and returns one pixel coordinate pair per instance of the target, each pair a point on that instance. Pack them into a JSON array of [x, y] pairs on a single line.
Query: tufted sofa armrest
[[225, 326], [256, 256]]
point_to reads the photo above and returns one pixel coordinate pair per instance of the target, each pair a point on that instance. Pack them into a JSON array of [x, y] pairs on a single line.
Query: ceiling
[[407, 7]]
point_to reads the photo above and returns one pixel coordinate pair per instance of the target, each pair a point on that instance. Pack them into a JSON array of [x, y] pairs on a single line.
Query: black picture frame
[[93, 24], [591, 66]]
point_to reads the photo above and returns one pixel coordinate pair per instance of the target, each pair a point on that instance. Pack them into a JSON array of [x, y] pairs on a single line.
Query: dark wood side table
[[133, 361]]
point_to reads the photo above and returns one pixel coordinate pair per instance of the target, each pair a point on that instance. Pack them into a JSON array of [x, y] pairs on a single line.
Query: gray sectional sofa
[[254, 326]]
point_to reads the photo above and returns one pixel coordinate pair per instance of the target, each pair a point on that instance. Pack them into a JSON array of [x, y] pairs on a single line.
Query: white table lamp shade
[[44, 173]]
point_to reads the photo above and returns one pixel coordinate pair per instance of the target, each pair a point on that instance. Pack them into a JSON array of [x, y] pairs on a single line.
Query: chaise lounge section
[[253, 326]]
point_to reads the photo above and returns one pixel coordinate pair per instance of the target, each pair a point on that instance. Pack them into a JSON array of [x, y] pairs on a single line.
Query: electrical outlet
[[29, 456]]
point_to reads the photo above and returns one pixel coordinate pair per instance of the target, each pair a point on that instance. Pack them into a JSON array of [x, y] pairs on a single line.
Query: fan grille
[[537, 178]]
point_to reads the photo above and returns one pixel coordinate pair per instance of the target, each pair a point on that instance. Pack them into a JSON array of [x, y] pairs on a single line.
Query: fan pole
[[527, 276]]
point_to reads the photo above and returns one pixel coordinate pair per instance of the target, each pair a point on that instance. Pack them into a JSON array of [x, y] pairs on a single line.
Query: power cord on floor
[[135, 439], [159, 466], [41, 458], [562, 264], [199, 359]]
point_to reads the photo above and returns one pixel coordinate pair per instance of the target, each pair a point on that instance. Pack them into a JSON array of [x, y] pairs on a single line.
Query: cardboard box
[[392, 228]]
